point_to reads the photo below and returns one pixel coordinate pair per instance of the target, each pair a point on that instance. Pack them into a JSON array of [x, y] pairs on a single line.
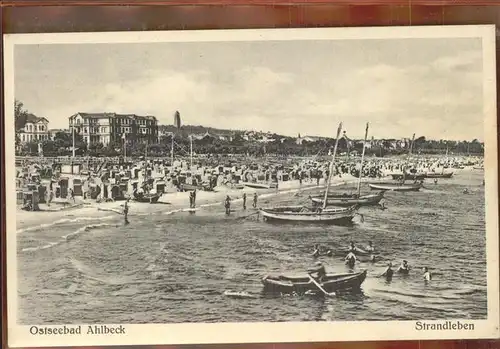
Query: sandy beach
[[170, 202]]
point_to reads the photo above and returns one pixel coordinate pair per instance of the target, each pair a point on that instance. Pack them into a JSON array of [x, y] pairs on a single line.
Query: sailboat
[[344, 200], [401, 185], [314, 214]]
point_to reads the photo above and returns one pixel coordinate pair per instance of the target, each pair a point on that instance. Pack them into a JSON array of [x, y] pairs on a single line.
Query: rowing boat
[[301, 214], [300, 284], [408, 176], [438, 175], [151, 198], [395, 186], [260, 185], [345, 200]]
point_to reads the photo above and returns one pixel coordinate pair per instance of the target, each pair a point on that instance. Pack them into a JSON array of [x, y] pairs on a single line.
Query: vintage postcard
[[238, 186]]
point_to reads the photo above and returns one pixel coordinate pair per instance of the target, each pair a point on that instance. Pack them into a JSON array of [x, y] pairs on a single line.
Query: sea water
[[171, 267]]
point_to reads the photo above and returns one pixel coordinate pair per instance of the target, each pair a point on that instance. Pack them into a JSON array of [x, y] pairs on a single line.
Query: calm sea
[[165, 268]]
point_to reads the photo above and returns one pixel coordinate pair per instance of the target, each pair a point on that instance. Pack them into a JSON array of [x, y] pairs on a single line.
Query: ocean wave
[[62, 221], [68, 237]]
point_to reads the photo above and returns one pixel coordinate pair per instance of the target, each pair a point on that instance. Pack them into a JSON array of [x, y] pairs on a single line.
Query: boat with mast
[[313, 214], [401, 186], [344, 200]]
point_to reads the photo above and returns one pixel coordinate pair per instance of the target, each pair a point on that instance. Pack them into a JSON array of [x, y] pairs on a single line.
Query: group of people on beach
[[351, 258]]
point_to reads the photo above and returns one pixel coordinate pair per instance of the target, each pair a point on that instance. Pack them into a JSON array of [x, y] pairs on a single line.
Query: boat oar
[[319, 287], [249, 215]]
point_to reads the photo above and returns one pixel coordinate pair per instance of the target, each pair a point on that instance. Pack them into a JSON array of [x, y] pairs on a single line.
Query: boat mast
[[362, 160], [325, 201]]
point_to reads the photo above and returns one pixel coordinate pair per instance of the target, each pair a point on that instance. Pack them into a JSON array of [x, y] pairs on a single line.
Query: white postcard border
[[199, 333]]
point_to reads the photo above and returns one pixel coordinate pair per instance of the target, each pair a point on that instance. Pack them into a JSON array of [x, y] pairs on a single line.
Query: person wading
[[227, 205], [255, 200], [125, 212]]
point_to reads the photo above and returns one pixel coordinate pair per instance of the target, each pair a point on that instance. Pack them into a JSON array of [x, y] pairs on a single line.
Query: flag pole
[[73, 128], [124, 147]]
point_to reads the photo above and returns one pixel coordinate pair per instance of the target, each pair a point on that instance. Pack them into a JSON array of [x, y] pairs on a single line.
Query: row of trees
[[62, 146]]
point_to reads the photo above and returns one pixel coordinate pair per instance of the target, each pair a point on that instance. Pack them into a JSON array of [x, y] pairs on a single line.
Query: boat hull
[[302, 284], [147, 199], [394, 186], [439, 175], [259, 185], [410, 177], [346, 201], [342, 216]]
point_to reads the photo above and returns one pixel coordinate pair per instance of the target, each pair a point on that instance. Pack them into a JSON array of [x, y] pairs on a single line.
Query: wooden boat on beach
[[395, 186], [344, 200], [260, 185], [434, 175], [314, 214], [301, 214], [192, 187], [408, 176], [302, 283], [147, 198]]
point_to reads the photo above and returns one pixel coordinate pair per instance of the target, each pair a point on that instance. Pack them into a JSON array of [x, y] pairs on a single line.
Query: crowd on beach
[[112, 181]]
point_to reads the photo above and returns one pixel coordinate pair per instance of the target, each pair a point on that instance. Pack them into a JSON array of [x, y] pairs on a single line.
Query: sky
[[431, 87]]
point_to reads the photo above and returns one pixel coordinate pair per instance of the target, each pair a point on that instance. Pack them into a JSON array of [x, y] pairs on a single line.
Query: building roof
[[112, 115], [32, 118]]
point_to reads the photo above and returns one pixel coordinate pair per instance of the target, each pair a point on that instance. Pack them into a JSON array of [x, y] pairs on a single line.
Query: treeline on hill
[[62, 146]]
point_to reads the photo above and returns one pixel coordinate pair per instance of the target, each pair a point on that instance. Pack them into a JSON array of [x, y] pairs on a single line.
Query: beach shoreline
[[169, 202], [178, 201]]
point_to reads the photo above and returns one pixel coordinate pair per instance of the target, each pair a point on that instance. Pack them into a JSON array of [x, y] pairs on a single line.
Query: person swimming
[[370, 247], [352, 247], [350, 259], [404, 268], [316, 252]]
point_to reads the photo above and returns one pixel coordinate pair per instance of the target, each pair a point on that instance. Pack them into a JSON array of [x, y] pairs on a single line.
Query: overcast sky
[[432, 87]]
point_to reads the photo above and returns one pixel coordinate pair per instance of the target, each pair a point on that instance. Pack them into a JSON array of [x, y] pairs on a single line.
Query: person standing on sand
[[244, 201], [227, 205], [194, 198], [254, 200]]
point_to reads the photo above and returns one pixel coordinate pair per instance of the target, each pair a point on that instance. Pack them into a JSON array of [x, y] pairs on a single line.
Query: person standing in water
[[388, 272], [427, 275], [244, 201], [190, 199], [125, 212], [227, 205], [254, 200]]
